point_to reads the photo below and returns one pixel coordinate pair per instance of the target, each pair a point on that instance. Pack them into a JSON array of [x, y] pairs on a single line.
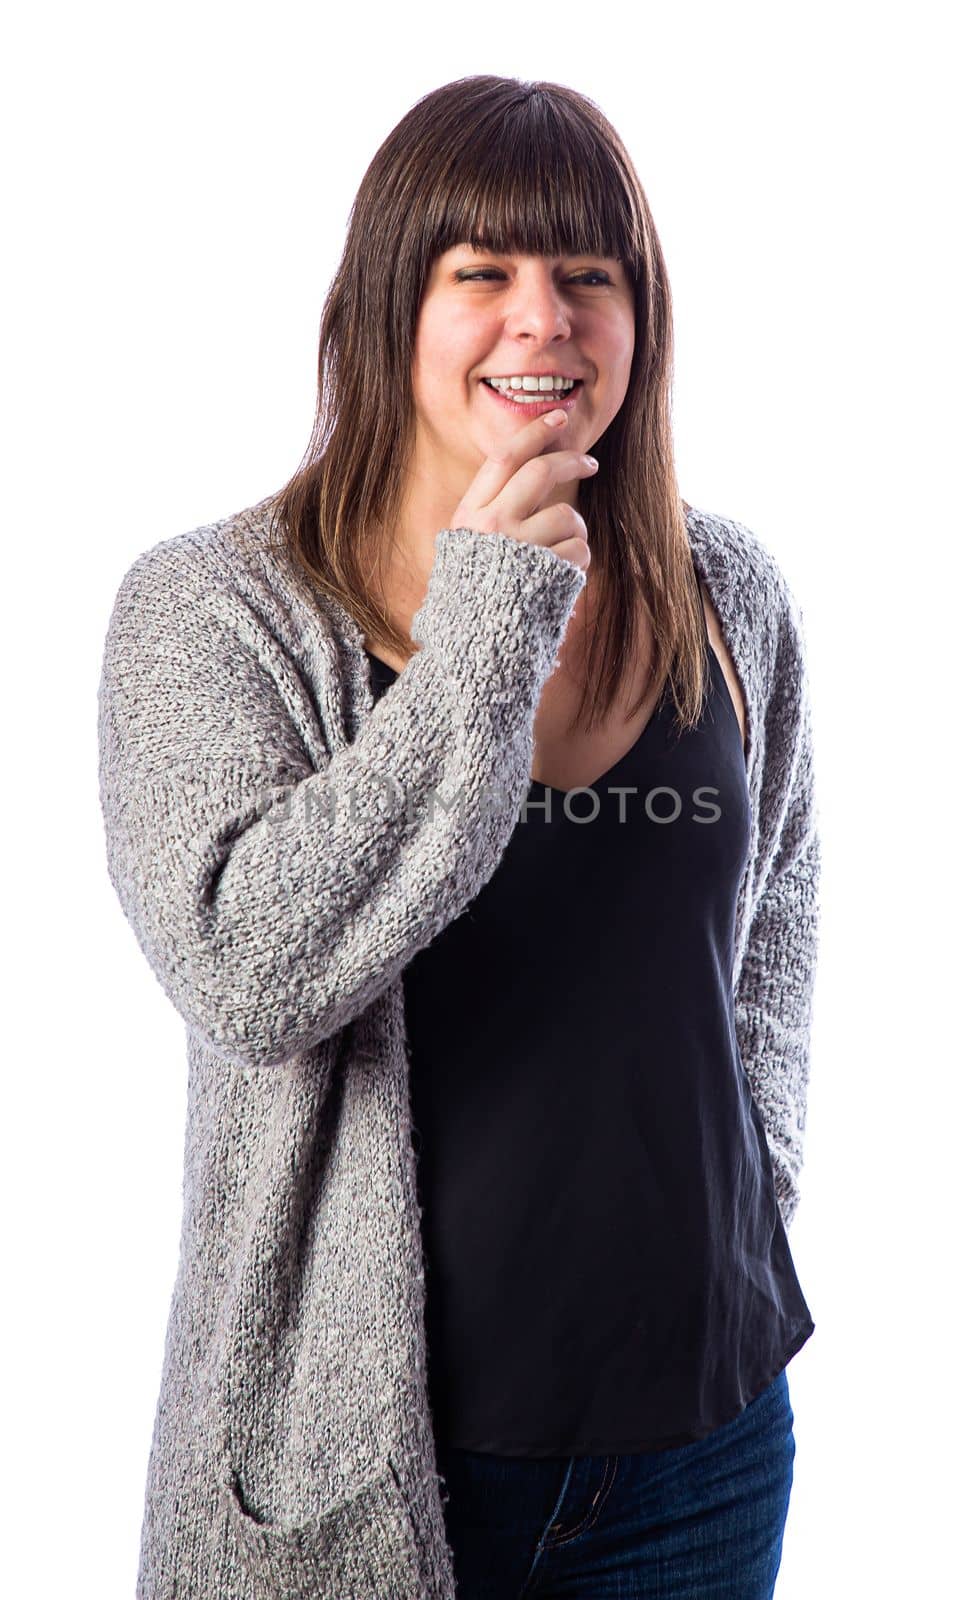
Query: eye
[[601, 278]]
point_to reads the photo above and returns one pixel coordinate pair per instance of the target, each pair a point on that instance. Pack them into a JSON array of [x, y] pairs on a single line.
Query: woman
[[460, 796]]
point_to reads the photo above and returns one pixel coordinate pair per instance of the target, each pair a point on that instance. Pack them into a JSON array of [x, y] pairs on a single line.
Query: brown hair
[[528, 168]]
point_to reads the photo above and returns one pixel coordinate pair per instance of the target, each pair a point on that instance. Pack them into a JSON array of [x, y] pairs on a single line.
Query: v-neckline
[[539, 784], [662, 697]]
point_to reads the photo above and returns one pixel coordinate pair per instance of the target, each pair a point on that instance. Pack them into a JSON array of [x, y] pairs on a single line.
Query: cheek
[[622, 360], [613, 342], [619, 369], [443, 344]]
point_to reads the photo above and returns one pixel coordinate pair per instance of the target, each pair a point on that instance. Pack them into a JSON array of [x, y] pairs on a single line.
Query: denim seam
[[540, 1548], [591, 1516]]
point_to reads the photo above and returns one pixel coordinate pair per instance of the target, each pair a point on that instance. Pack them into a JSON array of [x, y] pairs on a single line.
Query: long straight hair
[[522, 168]]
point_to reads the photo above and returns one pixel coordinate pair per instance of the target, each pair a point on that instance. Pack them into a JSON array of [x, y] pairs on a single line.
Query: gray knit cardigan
[[281, 849]]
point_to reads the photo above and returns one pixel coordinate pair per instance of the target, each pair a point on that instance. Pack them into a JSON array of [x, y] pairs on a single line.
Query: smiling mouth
[[547, 399]]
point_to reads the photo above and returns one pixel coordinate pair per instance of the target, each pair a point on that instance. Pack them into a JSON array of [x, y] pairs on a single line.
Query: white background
[[178, 180]]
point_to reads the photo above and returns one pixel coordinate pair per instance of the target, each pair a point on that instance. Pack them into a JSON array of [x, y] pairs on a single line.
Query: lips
[[548, 399]]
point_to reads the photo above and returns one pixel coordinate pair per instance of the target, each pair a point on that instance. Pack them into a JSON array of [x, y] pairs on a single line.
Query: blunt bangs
[[534, 181]]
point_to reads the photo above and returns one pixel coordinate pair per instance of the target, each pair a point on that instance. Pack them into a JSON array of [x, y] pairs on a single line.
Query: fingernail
[[553, 418], [592, 460]]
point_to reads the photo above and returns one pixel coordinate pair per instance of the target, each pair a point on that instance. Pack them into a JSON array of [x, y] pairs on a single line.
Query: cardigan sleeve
[[774, 993], [276, 894]]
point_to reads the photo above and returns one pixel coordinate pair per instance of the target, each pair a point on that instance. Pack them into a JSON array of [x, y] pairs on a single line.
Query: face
[[485, 314]]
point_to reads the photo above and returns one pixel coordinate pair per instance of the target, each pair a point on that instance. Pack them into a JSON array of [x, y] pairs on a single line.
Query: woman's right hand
[[505, 493]]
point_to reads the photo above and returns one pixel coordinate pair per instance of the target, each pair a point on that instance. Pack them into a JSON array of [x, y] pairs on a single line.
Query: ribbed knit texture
[[281, 849]]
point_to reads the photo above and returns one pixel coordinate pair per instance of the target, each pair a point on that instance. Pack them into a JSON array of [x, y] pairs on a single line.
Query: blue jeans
[[703, 1521]]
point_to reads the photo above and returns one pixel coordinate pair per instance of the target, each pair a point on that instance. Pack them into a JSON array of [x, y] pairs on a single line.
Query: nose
[[537, 309]]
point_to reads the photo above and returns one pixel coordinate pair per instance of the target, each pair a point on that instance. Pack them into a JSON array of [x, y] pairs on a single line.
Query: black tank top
[[606, 1265]]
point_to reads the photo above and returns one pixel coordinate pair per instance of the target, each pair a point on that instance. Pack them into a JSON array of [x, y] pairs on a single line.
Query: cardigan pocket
[[363, 1545]]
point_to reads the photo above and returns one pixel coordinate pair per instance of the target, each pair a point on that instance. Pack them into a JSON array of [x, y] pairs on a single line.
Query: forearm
[[274, 902]]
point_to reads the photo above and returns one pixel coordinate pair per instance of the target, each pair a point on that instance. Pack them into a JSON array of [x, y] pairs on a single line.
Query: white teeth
[[560, 385]]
